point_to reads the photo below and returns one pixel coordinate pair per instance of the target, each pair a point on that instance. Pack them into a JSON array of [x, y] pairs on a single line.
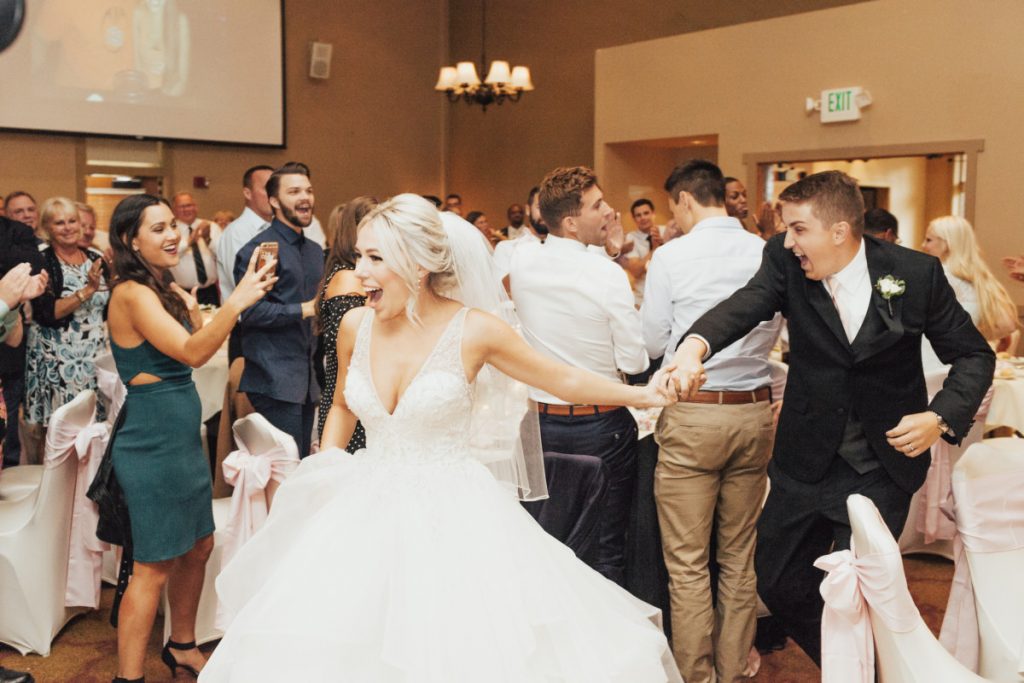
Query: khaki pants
[[711, 467]]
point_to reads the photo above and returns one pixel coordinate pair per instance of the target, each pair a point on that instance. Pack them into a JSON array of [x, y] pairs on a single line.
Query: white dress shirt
[[850, 288], [185, 272], [691, 275], [967, 296], [576, 307], [503, 250], [236, 235], [515, 233]]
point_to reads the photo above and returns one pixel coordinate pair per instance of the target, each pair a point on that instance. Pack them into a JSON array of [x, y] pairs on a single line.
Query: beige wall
[[937, 69], [374, 127], [495, 157]]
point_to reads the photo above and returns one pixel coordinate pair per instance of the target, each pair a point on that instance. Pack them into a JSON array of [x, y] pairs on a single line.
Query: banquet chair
[[35, 538], [264, 459], [110, 386], [926, 531], [988, 486], [907, 650]]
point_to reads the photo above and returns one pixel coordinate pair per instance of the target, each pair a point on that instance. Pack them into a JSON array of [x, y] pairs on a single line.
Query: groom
[[856, 418]]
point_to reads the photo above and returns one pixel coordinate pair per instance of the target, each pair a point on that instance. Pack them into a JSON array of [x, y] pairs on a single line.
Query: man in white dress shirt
[[198, 265], [516, 215], [577, 307], [714, 447]]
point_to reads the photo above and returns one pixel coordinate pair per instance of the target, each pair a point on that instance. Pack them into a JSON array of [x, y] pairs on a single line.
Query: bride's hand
[[660, 390]]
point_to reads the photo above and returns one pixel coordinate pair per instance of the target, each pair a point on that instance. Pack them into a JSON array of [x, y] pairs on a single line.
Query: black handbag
[[114, 525]]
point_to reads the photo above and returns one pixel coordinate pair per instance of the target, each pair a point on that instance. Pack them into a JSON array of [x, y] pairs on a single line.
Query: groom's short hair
[[834, 197]]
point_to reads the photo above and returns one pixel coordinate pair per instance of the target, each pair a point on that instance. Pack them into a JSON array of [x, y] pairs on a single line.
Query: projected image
[[154, 68], [137, 49]]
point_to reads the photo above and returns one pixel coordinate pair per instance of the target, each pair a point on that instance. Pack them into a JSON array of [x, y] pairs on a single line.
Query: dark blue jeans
[[612, 437], [14, 394], [294, 419]]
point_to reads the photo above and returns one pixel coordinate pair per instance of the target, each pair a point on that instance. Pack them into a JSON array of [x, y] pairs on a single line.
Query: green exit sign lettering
[[840, 104]]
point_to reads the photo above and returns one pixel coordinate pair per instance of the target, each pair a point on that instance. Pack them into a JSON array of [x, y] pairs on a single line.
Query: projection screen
[[202, 70]]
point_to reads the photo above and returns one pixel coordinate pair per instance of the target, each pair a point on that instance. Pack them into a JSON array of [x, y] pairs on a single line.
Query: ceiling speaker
[[12, 14]]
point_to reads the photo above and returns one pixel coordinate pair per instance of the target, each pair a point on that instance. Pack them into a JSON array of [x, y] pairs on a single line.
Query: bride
[[411, 560]]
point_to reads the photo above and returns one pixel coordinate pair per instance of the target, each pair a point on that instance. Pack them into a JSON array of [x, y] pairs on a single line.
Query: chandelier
[[461, 82]]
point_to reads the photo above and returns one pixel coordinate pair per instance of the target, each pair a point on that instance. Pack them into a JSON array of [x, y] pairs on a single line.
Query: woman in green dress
[[157, 337]]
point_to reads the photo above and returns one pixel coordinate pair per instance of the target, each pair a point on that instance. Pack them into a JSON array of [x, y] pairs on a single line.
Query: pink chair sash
[[990, 519], [850, 586], [249, 473], [85, 562], [938, 486]]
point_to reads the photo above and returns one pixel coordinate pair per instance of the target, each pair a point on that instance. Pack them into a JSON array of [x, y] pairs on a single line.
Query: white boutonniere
[[890, 287]]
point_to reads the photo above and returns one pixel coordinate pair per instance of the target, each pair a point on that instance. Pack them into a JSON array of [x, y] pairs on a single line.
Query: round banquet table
[[1007, 408], [211, 379]]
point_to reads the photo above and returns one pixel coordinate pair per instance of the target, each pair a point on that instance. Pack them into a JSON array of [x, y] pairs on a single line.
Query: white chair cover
[[867, 604], [110, 385], [262, 456], [85, 562], [264, 459], [984, 621], [928, 529], [35, 538]]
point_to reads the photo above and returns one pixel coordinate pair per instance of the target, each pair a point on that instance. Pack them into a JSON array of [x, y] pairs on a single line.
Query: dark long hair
[[343, 242], [128, 264]]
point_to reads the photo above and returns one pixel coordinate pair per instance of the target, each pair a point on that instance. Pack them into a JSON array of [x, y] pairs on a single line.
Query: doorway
[[916, 183]]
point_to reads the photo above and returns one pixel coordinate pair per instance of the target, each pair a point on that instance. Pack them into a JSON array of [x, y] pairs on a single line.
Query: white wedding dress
[[408, 562]]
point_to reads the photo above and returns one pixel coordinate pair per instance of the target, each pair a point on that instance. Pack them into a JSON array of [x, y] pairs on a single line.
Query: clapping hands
[[19, 285]]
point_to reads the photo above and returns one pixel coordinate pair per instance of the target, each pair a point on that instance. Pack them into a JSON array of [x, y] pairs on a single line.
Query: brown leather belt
[[730, 397], [573, 411]]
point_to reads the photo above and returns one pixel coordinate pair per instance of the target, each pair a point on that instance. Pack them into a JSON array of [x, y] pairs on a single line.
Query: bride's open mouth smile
[[373, 295]]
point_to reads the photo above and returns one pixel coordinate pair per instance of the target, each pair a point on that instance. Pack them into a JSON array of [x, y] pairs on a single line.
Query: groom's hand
[[689, 374], [915, 433]]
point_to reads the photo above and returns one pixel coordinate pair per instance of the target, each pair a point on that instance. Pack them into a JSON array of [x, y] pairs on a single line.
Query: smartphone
[[267, 251]]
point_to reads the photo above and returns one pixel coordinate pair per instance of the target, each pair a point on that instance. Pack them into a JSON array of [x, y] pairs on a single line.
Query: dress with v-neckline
[[448, 328]]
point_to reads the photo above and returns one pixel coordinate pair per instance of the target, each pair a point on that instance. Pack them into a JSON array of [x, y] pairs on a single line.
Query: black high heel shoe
[[172, 663]]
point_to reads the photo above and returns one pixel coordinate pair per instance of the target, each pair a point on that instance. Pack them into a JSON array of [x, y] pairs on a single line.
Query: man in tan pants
[[714, 448]]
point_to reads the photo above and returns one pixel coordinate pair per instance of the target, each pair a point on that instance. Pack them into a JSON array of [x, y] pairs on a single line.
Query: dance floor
[[86, 651]]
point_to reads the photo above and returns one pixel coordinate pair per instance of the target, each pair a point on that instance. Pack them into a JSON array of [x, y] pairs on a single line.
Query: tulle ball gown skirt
[[380, 570]]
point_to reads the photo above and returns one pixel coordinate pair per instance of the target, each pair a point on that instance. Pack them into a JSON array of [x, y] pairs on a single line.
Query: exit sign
[[840, 104]]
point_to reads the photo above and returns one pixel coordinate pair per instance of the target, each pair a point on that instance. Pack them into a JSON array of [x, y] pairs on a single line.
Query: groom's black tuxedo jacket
[[878, 376]]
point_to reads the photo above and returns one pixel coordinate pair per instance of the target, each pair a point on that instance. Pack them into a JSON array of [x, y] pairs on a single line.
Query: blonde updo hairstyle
[[410, 236], [964, 259]]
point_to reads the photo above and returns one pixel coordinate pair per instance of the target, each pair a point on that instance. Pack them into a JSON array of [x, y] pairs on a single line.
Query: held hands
[[915, 433], [659, 391], [201, 232], [255, 284], [689, 375]]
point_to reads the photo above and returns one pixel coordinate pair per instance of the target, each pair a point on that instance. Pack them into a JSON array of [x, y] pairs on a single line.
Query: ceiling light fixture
[[461, 82]]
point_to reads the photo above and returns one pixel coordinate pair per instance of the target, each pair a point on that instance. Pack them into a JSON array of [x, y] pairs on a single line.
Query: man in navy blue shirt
[[278, 340]]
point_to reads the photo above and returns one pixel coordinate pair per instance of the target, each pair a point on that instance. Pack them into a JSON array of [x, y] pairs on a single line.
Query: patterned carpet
[[86, 650]]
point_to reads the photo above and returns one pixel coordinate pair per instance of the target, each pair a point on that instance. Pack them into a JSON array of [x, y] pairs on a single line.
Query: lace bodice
[[431, 421]]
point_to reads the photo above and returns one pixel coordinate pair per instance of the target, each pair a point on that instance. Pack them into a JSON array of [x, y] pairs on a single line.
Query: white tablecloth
[[211, 380], [1007, 398]]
